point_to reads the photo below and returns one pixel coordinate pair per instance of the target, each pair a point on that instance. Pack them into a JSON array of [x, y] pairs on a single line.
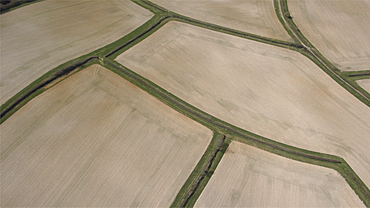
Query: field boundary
[[197, 181], [46, 81], [15, 4]]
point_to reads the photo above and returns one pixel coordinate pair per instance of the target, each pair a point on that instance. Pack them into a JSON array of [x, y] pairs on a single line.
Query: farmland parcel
[[364, 83], [270, 91], [257, 17], [249, 177], [338, 29], [97, 140], [41, 36]]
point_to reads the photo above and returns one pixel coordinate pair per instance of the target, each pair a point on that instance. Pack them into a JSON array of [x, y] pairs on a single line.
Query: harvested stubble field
[[41, 36], [270, 91], [250, 177], [338, 29], [364, 83], [97, 140], [257, 17]]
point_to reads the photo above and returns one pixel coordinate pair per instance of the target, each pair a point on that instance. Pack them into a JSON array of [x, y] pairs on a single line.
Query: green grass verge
[[38, 86], [356, 75], [278, 12], [154, 8], [114, 49], [201, 174], [15, 4]]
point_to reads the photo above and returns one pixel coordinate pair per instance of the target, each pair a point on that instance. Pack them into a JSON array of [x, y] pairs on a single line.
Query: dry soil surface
[[364, 83]]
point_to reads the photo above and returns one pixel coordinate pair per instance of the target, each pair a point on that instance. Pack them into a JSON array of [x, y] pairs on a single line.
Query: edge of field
[[311, 52], [105, 57], [202, 173], [15, 4]]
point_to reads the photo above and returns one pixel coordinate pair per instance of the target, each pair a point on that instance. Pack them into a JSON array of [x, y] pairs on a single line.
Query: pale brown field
[[41, 36], [338, 29], [253, 16], [364, 83], [250, 177], [97, 140], [270, 91]]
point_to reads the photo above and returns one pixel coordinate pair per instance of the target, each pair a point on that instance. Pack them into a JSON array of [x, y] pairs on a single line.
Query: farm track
[[211, 122]]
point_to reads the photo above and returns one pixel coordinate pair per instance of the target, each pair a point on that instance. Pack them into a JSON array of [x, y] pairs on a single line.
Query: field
[[41, 36], [97, 140], [338, 29], [364, 83], [249, 177], [257, 17], [270, 91]]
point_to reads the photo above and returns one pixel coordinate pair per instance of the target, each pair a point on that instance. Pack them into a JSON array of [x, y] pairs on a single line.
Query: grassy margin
[[202, 173], [16, 4]]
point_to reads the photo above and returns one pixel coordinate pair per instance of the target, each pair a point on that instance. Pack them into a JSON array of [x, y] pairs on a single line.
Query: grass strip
[[200, 176], [9, 5], [120, 46], [41, 84], [365, 74], [156, 9]]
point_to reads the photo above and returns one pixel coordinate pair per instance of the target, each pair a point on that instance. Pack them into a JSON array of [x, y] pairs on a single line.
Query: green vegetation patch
[[202, 173], [9, 5]]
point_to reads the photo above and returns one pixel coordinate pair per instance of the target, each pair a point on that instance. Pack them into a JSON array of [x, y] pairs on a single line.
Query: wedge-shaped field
[[41, 36], [250, 177], [338, 29], [257, 17], [364, 83], [96, 140], [271, 91]]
